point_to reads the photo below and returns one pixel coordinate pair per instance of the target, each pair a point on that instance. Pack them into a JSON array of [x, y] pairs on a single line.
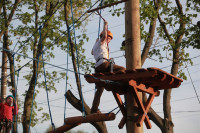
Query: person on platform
[[100, 51]]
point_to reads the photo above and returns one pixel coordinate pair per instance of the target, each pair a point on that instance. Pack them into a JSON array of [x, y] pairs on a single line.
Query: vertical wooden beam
[[133, 56]]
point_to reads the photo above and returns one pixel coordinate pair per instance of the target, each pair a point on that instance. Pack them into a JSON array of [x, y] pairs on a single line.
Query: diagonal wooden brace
[[122, 122], [143, 108], [144, 116], [142, 88], [122, 108]]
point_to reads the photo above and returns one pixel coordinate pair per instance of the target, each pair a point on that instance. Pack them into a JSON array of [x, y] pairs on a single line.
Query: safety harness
[[5, 123], [111, 61]]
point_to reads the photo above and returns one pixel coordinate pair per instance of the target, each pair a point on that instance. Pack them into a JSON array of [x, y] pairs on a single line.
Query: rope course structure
[[150, 81]]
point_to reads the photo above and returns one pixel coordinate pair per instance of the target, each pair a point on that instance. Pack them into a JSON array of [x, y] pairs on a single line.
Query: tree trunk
[[168, 124], [28, 104], [6, 46], [133, 58], [4, 70], [37, 51], [148, 44]]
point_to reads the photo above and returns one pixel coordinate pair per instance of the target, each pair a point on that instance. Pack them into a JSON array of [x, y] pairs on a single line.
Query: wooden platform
[[150, 77], [150, 81]]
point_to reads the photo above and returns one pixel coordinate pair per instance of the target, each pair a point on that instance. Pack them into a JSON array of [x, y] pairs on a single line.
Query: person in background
[[8, 108], [100, 52]]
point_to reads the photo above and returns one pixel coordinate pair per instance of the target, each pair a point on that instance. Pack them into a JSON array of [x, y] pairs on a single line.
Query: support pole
[[133, 58]]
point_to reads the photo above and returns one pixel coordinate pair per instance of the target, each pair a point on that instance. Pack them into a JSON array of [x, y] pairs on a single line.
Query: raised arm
[[105, 29]]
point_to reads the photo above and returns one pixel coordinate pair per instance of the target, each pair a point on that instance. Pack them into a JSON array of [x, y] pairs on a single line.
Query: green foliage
[[192, 37], [193, 5], [182, 75]]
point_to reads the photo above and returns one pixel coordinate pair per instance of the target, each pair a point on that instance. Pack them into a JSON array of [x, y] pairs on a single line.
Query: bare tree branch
[[152, 29], [148, 44], [165, 29]]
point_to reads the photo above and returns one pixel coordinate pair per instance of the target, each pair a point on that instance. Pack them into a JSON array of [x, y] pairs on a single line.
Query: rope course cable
[[67, 72], [99, 20], [53, 126], [115, 109], [192, 83], [77, 60], [15, 86]]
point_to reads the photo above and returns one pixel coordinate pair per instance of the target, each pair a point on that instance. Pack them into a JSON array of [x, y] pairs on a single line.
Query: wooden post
[[133, 58]]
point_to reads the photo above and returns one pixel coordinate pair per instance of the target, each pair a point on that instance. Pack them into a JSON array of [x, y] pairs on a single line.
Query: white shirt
[[100, 51]]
